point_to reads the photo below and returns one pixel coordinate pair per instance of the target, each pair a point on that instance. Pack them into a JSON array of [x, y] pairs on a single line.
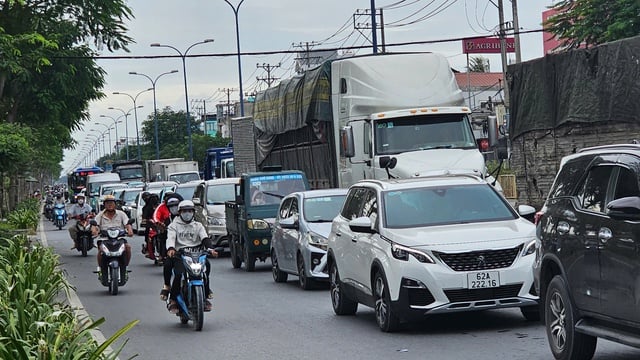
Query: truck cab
[[250, 217], [216, 163]]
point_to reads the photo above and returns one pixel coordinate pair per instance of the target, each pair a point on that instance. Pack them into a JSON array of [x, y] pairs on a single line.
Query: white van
[[93, 186]]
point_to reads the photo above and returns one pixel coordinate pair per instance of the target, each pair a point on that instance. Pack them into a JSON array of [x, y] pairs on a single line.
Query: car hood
[[465, 237], [323, 229]]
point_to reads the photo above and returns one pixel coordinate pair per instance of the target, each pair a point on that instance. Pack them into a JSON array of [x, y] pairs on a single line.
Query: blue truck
[[218, 163]]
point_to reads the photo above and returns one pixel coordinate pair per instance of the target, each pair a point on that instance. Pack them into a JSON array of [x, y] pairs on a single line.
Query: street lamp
[[102, 133], [235, 13], [126, 125], [186, 95], [115, 123], [155, 107], [108, 129], [135, 112]]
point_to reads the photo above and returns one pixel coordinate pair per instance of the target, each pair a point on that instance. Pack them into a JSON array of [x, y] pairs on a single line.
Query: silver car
[[299, 235]]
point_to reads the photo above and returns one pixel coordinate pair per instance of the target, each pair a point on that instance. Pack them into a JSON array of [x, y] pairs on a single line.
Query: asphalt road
[[255, 318]]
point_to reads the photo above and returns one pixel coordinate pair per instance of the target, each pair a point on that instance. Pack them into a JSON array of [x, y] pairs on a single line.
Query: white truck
[[152, 167], [375, 116], [180, 171]]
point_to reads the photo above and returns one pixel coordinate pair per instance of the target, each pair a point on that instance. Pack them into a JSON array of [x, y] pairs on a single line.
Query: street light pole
[[135, 112], [109, 130], [235, 13], [186, 95], [104, 152], [126, 126], [115, 123], [155, 107]]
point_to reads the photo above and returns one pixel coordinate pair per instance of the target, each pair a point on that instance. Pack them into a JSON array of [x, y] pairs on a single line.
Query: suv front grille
[[480, 260], [501, 292]]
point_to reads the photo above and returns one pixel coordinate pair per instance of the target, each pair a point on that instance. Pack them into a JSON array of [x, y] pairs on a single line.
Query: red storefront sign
[[487, 45]]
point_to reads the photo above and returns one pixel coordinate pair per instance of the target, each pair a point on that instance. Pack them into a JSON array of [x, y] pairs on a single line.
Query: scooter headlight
[[110, 253], [113, 233], [194, 267]]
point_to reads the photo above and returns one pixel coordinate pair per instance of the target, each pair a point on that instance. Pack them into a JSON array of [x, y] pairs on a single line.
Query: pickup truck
[[250, 217]]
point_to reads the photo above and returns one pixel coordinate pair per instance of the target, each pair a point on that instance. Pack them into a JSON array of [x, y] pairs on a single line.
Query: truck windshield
[[424, 132], [130, 173], [270, 189], [184, 178]]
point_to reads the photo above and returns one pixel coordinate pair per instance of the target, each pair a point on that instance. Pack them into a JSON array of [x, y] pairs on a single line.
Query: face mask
[[186, 216], [80, 201]]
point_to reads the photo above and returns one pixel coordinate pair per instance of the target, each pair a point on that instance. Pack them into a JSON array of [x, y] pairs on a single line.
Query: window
[[593, 193], [367, 138], [294, 208], [284, 208], [626, 184], [352, 206]]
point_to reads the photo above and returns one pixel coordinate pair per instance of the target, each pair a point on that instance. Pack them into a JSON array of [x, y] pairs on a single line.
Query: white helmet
[[186, 210]]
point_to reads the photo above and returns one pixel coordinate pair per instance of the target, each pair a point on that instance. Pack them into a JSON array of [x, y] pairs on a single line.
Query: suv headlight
[[316, 240], [257, 224], [402, 253], [529, 248], [216, 221]]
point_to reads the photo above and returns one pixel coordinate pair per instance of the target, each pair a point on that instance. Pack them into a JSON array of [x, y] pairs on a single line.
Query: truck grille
[[479, 260], [501, 292]]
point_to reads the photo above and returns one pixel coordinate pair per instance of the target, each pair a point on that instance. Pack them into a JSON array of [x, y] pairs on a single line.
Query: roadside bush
[[26, 215], [33, 324]]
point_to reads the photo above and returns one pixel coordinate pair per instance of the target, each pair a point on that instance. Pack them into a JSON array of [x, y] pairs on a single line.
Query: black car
[[587, 268]]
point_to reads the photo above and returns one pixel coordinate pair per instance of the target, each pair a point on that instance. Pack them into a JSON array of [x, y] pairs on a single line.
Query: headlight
[[109, 253], [194, 267], [257, 224], [216, 221], [316, 240], [529, 248], [113, 233], [402, 253]]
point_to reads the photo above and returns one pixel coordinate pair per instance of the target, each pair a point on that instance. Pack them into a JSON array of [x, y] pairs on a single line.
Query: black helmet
[[145, 195]]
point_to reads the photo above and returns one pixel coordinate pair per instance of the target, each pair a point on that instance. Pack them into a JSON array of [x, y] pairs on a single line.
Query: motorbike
[[60, 216], [191, 298], [84, 237], [113, 272], [48, 210]]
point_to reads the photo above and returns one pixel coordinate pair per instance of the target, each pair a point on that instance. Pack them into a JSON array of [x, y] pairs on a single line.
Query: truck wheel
[[564, 340], [236, 261], [249, 260]]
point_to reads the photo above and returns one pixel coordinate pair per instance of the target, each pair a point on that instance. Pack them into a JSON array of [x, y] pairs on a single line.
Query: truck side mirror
[[347, 146], [497, 142]]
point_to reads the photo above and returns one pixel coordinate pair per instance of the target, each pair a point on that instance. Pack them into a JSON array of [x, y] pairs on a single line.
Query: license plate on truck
[[483, 279]]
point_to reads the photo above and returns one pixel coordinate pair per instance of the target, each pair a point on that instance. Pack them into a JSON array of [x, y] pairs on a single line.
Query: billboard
[[486, 45]]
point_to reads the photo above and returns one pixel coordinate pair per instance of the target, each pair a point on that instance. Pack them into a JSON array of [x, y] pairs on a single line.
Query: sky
[[271, 26]]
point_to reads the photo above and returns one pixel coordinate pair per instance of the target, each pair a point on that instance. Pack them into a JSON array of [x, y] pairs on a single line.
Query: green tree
[[593, 22], [478, 64]]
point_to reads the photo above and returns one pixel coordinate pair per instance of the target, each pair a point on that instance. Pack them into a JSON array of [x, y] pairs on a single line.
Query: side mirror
[[387, 162], [527, 212], [626, 208], [290, 223], [362, 225], [347, 146]]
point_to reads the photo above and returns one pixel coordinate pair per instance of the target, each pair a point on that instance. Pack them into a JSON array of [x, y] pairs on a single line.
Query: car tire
[[564, 341], [531, 313], [386, 319], [305, 282], [342, 305], [279, 276]]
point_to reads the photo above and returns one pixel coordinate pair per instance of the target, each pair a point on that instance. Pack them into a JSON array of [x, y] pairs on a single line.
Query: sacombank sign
[[487, 45]]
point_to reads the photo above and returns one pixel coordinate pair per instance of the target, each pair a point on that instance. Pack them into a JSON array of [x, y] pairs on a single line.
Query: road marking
[[74, 301]]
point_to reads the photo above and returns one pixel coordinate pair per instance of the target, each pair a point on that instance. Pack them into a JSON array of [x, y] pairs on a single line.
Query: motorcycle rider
[[162, 217], [80, 208], [151, 201], [172, 204], [111, 217], [184, 232]]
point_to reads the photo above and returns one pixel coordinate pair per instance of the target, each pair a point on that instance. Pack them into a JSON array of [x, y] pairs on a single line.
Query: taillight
[[538, 217]]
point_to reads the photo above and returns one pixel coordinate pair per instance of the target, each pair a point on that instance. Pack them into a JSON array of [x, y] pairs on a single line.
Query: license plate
[[483, 280]]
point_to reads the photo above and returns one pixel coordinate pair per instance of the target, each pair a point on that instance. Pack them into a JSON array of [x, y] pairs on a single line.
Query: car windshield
[[218, 194], [130, 196], [448, 131], [186, 191], [444, 205], [322, 209], [270, 189]]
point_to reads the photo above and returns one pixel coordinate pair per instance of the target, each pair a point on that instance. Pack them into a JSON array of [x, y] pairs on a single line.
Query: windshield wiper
[[437, 147]]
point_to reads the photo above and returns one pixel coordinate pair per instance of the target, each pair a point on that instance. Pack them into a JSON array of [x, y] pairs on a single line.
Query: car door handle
[[338, 234], [353, 239]]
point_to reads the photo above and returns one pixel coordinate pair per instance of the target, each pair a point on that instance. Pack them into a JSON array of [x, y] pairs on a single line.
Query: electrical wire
[[411, 15], [433, 13]]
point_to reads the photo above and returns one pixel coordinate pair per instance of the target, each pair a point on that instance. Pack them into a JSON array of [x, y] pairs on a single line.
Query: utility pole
[[227, 91], [368, 26], [268, 68], [307, 56], [374, 28], [516, 30], [503, 54]]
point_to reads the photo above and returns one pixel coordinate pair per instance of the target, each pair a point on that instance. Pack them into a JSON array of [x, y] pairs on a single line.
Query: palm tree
[[478, 64]]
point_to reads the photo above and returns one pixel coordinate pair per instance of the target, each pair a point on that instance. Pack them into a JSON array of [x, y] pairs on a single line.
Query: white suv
[[420, 246]]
